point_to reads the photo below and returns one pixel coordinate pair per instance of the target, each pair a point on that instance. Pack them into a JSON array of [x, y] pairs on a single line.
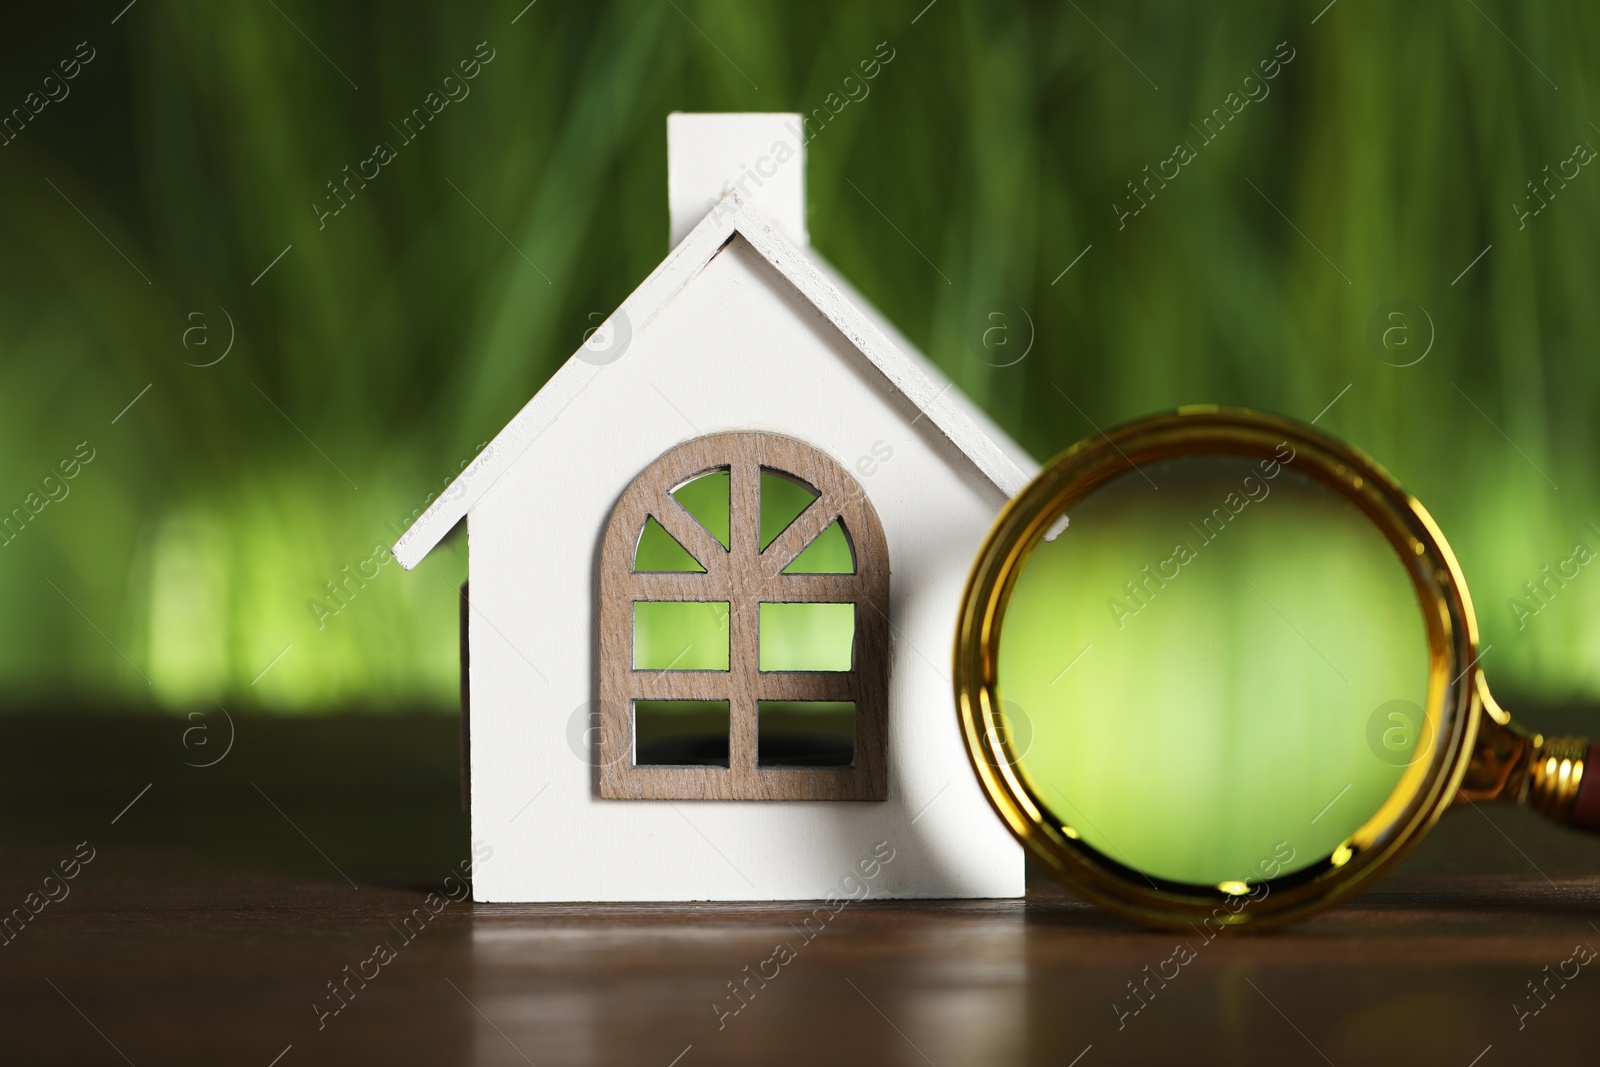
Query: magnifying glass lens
[[1216, 672]]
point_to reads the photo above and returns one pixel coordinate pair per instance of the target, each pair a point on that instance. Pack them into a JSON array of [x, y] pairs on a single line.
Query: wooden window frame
[[744, 577]]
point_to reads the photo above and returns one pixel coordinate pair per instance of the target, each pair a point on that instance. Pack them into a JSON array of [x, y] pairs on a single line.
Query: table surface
[[224, 903]]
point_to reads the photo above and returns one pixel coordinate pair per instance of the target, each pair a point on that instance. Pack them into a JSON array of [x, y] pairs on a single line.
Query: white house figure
[[715, 566]]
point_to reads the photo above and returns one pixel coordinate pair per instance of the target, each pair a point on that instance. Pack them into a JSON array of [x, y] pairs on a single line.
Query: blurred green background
[[194, 551]]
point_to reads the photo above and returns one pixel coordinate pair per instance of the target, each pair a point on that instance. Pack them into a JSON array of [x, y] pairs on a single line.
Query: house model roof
[[907, 370]]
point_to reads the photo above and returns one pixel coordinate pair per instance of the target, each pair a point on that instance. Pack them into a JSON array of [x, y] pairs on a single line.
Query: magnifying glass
[[1215, 666]]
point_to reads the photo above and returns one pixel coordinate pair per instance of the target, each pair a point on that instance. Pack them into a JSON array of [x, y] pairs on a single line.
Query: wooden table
[[222, 903]]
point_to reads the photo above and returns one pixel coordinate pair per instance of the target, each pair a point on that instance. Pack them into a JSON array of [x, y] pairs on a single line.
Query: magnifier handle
[[1585, 814], [1563, 781], [1557, 776]]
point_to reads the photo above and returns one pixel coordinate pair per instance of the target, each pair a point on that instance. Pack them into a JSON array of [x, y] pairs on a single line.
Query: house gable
[[606, 353]]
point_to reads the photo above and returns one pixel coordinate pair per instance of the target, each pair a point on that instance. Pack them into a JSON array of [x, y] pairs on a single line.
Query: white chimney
[[763, 155]]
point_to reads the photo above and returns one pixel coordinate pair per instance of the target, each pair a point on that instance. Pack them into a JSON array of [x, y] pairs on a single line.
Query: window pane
[[680, 733], [830, 553], [802, 733], [705, 497], [807, 637], [680, 636], [659, 551], [783, 498]]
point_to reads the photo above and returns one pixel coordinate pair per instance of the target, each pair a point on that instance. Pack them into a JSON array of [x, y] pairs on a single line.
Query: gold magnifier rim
[[1426, 788]]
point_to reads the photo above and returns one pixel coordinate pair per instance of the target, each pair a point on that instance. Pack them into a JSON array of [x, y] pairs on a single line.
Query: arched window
[[744, 628]]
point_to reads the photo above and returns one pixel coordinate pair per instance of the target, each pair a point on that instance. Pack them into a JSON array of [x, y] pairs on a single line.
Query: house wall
[[737, 348]]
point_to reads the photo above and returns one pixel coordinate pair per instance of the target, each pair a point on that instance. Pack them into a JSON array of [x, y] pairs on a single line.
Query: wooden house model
[[715, 565]]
